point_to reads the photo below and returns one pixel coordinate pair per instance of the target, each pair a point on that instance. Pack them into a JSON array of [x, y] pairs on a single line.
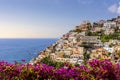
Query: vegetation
[[86, 57], [49, 62], [89, 26], [78, 30], [106, 38], [87, 45], [118, 54], [94, 70], [98, 33]]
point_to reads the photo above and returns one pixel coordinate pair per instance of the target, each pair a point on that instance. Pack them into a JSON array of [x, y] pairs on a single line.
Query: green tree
[[86, 57], [50, 62]]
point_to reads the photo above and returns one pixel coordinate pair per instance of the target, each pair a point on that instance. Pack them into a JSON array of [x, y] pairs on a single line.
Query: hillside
[[97, 40]]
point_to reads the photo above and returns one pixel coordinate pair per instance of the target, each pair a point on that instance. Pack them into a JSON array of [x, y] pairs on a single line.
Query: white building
[[109, 31], [80, 61], [109, 49], [109, 24]]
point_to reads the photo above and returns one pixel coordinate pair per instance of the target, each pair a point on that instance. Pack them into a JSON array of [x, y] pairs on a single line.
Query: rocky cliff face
[[86, 41]]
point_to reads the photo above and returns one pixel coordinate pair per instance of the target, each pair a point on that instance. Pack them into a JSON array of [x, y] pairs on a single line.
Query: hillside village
[[97, 40]]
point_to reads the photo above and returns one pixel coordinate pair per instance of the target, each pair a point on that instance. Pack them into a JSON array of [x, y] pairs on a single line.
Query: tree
[[50, 62], [86, 57]]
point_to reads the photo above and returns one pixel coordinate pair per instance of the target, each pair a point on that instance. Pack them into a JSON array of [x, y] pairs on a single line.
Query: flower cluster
[[94, 70]]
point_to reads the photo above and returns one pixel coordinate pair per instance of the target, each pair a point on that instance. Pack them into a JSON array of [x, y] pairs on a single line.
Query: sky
[[51, 18]]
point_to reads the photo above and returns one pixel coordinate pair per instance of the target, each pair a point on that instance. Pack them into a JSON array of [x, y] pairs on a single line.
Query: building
[[52, 56], [90, 39], [108, 49], [100, 23], [82, 27], [114, 42], [100, 53], [117, 49], [77, 56], [109, 31], [96, 29], [116, 54], [80, 61], [109, 24]]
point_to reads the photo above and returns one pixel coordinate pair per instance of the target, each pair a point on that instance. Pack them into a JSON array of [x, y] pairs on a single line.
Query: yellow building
[[117, 49], [100, 53]]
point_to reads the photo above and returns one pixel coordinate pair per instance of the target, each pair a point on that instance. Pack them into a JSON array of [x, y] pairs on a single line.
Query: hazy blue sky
[[50, 18]]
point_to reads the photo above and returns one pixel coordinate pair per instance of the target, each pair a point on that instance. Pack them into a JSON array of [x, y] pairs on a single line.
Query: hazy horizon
[[50, 18]]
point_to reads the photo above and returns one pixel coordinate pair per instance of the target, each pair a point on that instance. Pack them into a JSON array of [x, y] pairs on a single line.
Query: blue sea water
[[17, 49]]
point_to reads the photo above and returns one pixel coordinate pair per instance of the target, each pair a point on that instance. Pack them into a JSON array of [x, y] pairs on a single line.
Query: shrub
[[94, 70]]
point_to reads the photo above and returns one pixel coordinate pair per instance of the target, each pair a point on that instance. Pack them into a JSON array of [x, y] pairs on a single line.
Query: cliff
[[97, 40]]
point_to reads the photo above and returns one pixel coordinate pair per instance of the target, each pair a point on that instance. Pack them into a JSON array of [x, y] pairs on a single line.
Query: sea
[[17, 50]]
